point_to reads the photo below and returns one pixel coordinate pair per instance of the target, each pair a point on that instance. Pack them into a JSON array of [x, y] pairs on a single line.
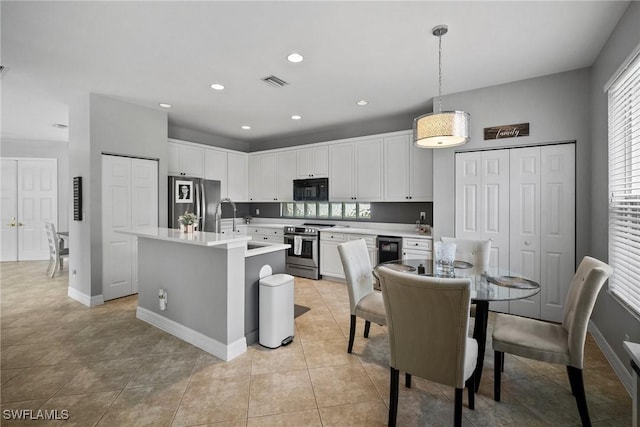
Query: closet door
[[557, 228], [525, 224], [129, 200], [9, 210]]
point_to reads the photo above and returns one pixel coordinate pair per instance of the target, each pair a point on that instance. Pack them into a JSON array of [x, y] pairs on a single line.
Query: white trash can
[[276, 310]]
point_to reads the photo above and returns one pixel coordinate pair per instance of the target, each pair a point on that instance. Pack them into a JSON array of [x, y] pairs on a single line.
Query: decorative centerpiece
[[187, 221]]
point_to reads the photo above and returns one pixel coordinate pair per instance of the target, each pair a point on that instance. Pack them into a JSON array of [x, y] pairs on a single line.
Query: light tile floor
[[107, 368]]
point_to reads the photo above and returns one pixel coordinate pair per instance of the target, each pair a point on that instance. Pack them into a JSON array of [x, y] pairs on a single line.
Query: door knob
[[527, 243], [13, 222]]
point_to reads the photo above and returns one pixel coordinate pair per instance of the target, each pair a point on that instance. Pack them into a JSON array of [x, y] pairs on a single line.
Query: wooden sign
[[506, 131]]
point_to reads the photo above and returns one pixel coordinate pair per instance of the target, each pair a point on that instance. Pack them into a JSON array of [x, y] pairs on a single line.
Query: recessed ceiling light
[[217, 86], [295, 58], [165, 105], [296, 117], [362, 102], [60, 126], [246, 127]]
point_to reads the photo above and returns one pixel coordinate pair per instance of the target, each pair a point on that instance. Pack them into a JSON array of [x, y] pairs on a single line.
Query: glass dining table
[[501, 286]]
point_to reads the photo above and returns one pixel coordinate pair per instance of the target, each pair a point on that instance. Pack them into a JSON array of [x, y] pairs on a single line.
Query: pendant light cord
[[440, 74]]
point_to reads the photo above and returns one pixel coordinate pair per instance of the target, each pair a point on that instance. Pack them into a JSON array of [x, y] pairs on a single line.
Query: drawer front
[[257, 231], [278, 232], [369, 240], [333, 237], [420, 244]]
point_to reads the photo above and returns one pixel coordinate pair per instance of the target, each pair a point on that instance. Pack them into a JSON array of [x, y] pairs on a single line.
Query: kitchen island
[[201, 277]]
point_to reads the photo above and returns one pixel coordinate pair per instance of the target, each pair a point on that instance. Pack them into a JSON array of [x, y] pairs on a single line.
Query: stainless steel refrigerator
[[196, 195]]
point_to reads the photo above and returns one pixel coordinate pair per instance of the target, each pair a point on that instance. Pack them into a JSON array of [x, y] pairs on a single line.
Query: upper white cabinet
[[271, 176], [186, 160], [408, 170], [356, 171], [237, 178], [312, 162]]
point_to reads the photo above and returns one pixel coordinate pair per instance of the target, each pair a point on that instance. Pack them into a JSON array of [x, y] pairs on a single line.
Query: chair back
[[52, 239], [581, 298], [427, 320], [476, 252], [357, 270]]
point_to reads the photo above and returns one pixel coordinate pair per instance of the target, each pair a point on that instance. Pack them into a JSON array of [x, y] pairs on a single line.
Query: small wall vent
[[275, 81]]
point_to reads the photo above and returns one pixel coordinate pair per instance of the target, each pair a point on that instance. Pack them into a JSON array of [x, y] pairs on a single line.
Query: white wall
[[557, 108], [99, 124], [46, 150], [611, 319]]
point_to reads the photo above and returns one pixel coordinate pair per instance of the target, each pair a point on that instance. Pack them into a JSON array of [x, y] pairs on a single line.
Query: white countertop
[[260, 248], [376, 231], [633, 349], [200, 238]]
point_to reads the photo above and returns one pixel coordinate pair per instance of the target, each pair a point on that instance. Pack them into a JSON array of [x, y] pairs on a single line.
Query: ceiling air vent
[[275, 81]]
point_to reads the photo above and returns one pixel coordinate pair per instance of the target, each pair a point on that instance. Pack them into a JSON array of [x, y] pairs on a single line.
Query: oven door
[[308, 254]]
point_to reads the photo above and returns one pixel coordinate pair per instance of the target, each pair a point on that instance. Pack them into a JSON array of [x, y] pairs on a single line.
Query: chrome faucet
[[218, 215]]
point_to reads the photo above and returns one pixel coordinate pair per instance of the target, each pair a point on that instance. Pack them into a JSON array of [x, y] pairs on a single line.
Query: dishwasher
[[389, 248]]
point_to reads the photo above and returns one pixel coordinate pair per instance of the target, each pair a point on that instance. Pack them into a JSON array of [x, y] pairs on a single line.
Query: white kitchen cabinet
[[312, 162], [356, 171], [266, 234], [286, 173], [330, 263], [408, 170], [271, 176], [237, 178], [420, 248], [215, 168], [185, 160]]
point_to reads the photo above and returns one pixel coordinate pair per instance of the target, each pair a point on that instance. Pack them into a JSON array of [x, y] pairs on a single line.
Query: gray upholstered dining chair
[[427, 320], [555, 343], [363, 300], [57, 252]]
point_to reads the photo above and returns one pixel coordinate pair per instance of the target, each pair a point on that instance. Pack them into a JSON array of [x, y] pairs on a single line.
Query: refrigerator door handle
[[196, 203], [203, 203]]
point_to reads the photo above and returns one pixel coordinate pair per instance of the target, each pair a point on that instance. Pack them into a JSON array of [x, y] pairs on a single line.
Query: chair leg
[[457, 414], [577, 387], [471, 387], [498, 367], [407, 380], [51, 261], [367, 326], [352, 333], [393, 397]]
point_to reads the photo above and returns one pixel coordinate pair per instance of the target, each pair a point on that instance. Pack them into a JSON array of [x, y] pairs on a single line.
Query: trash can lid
[[276, 280]]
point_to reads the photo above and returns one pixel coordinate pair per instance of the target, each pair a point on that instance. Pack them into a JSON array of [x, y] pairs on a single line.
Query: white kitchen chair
[[427, 321], [563, 343], [56, 250], [364, 301]]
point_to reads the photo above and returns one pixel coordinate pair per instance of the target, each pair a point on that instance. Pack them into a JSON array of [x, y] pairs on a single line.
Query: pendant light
[[444, 128]]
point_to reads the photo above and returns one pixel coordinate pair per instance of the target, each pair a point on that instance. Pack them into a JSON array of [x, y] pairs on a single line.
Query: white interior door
[[9, 210], [117, 248], [37, 204], [557, 228], [144, 212], [525, 224]]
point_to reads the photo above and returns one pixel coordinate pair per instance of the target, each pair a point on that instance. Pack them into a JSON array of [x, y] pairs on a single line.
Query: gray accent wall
[[100, 124], [191, 135], [610, 317], [557, 108]]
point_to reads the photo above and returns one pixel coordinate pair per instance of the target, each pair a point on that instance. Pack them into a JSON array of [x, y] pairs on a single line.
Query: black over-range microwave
[[311, 189]]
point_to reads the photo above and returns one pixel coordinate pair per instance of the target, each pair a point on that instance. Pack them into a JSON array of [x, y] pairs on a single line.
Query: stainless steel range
[[303, 257]]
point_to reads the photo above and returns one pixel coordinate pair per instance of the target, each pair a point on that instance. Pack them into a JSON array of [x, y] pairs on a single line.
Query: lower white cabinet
[[330, 263], [266, 234], [417, 248]]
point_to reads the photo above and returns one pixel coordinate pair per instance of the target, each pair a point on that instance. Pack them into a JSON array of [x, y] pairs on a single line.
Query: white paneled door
[[524, 201], [29, 199], [129, 200]]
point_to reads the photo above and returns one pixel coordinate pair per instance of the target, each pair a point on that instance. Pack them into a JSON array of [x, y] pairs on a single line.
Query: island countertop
[[199, 238]]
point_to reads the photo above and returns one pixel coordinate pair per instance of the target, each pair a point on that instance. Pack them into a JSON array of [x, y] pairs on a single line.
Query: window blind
[[624, 186]]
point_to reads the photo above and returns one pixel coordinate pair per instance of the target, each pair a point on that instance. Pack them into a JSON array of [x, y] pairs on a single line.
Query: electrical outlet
[[423, 216], [626, 337], [257, 211]]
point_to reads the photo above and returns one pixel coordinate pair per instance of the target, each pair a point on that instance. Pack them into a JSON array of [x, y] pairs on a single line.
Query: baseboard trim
[[618, 366], [223, 351], [82, 298]]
